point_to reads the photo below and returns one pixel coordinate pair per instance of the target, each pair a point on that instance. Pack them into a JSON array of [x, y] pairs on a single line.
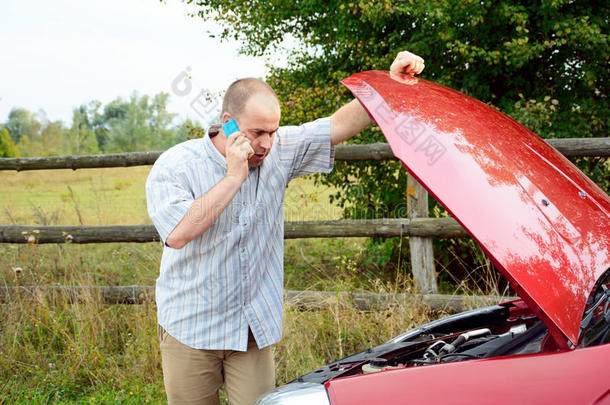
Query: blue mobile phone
[[230, 127]]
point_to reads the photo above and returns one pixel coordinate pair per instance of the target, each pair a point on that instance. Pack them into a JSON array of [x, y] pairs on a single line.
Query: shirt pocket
[[227, 222]]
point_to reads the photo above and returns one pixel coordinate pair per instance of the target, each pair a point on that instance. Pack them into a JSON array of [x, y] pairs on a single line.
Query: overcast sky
[[55, 55]]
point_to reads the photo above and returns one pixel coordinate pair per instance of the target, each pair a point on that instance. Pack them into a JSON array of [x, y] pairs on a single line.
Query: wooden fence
[[569, 147], [303, 300], [420, 229]]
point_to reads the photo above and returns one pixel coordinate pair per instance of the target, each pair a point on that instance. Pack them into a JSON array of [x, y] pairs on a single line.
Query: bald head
[[240, 91]]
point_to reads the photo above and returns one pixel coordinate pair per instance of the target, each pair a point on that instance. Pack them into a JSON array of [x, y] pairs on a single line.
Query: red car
[[544, 225]]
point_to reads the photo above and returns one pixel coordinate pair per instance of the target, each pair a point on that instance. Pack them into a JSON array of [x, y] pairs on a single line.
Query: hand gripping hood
[[544, 224]]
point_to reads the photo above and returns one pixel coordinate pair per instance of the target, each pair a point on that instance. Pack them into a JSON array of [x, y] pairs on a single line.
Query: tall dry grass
[[54, 351]]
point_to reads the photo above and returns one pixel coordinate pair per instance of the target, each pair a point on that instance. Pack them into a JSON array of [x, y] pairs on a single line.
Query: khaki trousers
[[193, 376]]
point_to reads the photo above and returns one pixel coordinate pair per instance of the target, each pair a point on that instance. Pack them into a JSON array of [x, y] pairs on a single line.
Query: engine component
[[376, 364], [441, 348]]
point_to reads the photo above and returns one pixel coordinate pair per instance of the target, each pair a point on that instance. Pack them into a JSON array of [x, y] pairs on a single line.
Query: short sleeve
[[306, 148], [168, 198]]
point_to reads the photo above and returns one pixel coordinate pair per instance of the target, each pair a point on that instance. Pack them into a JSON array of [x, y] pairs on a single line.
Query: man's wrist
[[233, 181]]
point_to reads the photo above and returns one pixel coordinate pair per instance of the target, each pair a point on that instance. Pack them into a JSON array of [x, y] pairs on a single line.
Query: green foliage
[[21, 122], [51, 140], [544, 63], [7, 145], [45, 138], [80, 139], [191, 130], [138, 124]]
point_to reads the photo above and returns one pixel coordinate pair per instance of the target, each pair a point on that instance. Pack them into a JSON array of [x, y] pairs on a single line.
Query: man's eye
[[261, 133]]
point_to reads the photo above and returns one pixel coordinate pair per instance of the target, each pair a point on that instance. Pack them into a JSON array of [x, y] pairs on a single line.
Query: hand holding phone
[[230, 127], [238, 151]]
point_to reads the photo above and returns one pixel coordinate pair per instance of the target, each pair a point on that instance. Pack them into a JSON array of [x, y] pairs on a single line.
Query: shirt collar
[[213, 152]]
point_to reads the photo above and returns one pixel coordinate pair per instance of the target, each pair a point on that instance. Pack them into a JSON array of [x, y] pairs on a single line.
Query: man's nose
[[265, 141]]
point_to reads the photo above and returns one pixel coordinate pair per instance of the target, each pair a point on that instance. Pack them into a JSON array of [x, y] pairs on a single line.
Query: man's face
[[259, 121]]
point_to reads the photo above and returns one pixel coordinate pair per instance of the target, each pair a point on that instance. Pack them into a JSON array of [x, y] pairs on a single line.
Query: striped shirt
[[231, 277]]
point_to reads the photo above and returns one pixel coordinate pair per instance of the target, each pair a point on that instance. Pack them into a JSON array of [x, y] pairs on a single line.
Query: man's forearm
[[348, 121], [203, 212]]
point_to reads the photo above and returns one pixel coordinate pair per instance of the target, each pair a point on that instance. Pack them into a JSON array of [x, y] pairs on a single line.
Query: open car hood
[[542, 222]]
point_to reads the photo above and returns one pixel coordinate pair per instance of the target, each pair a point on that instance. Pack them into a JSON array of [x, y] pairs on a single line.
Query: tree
[[51, 142], [22, 122], [160, 121], [544, 63], [138, 124], [80, 138], [37, 135], [93, 117], [25, 130], [8, 148]]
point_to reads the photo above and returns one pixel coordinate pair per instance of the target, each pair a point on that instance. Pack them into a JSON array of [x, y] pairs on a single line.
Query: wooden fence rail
[[424, 227], [302, 300], [570, 147]]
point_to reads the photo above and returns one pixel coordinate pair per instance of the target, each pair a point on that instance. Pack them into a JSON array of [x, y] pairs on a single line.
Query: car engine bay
[[500, 330]]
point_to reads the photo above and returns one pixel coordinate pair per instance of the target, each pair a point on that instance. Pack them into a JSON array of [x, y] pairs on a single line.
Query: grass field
[[56, 352]]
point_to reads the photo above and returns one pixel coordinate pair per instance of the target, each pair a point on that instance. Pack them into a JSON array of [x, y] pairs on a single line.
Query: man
[[217, 205]]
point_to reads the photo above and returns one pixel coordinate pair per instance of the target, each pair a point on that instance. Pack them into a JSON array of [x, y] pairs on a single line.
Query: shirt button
[[243, 250], [245, 224], [245, 203]]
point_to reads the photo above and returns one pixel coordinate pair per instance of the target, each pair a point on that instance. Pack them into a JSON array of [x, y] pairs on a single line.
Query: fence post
[[422, 255]]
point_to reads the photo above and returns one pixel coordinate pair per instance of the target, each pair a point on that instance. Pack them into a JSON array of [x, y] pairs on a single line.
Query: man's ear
[[225, 117]]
